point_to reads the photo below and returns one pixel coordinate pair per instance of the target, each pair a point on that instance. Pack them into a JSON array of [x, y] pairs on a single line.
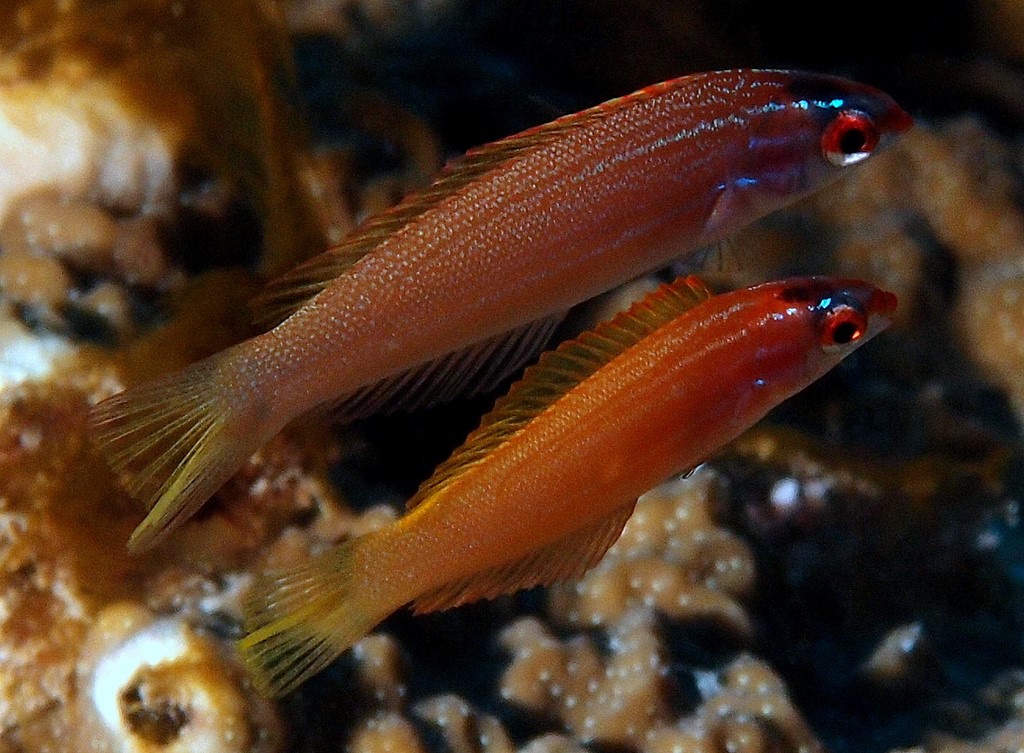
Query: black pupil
[[844, 332], [852, 141]]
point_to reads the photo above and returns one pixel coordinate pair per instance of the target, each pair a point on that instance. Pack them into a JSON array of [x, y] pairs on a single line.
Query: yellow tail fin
[[174, 441], [299, 621]]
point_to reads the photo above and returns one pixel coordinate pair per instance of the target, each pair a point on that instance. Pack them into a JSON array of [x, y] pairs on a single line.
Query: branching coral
[[673, 560], [615, 702], [745, 709], [627, 699], [388, 732], [464, 729], [671, 557]]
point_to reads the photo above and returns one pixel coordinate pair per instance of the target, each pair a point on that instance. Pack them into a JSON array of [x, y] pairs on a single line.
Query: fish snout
[[881, 308], [895, 119]]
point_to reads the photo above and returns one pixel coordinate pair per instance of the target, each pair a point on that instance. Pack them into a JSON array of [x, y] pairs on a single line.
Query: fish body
[[458, 284], [540, 491]]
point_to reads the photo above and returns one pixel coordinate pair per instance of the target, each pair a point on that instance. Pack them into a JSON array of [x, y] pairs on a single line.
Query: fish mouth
[[895, 120], [881, 309]]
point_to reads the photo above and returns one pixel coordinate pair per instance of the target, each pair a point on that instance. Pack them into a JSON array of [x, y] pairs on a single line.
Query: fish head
[[802, 132], [833, 316], [851, 120]]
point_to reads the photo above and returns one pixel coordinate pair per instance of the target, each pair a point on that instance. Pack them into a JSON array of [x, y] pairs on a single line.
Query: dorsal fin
[[562, 560], [285, 295], [560, 370]]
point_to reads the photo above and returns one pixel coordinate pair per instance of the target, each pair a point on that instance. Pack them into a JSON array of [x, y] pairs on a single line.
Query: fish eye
[[849, 138], [843, 324]]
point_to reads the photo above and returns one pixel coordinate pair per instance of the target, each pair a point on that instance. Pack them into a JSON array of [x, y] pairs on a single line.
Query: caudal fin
[[299, 621], [174, 442]]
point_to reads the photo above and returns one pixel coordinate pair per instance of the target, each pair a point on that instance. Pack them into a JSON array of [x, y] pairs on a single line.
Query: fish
[[463, 282], [539, 492]]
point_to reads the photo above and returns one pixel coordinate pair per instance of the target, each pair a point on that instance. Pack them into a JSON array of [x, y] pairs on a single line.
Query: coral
[[25, 356], [147, 684], [939, 219], [963, 184], [45, 598], [387, 733], [382, 670], [672, 560], [125, 160], [614, 702], [745, 709], [991, 321], [627, 699], [63, 564], [464, 730], [671, 557]]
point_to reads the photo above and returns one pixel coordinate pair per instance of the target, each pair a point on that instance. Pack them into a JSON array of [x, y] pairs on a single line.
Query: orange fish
[[539, 492], [461, 283]]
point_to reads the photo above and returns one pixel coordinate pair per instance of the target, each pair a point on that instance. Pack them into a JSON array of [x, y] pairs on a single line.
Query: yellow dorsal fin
[[560, 370], [285, 295], [562, 560]]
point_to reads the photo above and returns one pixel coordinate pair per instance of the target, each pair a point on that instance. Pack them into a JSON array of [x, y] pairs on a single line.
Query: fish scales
[[540, 491], [505, 241]]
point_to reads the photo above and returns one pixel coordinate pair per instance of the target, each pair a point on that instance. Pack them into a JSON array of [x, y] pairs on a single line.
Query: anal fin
[[565, 559], [466, 372]]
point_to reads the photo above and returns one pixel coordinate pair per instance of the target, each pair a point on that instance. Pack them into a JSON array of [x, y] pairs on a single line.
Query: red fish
[[460, 283], [540, 491]]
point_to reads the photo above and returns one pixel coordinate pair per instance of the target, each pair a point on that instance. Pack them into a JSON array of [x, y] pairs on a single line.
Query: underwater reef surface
[[847, 576]]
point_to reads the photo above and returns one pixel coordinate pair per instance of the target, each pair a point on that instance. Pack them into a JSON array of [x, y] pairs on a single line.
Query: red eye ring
[[850, 137], [843, 325]]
